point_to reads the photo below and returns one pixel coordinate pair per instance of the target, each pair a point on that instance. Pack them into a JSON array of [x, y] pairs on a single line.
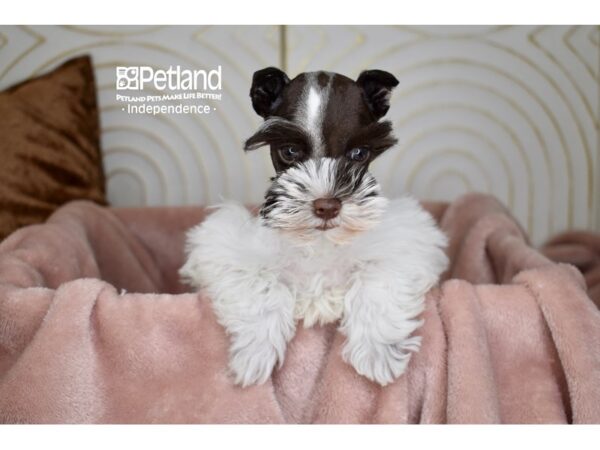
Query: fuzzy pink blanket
[[95, 328], [582, 249]]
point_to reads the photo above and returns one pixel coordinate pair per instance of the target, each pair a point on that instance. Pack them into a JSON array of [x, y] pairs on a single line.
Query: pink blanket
[[85, 335], [582, 249]]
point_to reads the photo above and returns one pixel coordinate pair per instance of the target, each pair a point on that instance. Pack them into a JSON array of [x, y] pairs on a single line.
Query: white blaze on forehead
[[313, 107], [311, 112]]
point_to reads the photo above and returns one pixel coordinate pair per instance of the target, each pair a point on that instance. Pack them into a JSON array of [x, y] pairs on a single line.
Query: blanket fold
[[95, 327], [581, 249]]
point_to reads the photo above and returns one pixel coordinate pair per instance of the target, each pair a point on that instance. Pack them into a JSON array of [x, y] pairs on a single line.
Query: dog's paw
[[252, 364], [381, 363]]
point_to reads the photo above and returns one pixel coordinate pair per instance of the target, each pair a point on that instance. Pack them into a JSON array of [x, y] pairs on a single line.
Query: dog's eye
[[290, 153], [358, 154]]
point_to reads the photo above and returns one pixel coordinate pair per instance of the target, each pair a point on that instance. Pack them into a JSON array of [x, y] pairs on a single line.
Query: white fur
[[294, 213], [313, 108], [310, 113], [261, 280]]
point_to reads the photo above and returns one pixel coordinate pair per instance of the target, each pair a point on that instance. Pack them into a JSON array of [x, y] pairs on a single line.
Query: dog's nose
[[327, 208]]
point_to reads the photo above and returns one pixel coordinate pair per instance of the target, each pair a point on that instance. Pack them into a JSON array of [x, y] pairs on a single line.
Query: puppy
[[326, 246]]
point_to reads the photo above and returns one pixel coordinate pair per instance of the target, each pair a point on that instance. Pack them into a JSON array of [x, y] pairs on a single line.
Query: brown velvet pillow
[[49, 145]]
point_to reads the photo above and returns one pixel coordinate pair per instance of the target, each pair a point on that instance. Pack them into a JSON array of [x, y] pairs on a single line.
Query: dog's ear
[[377, 87], [267, 86]]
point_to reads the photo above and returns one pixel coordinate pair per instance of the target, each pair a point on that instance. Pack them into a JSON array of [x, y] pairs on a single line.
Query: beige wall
[[508, 110]]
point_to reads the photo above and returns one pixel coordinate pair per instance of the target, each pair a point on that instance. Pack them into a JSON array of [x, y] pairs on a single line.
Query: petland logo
[[136, 78]]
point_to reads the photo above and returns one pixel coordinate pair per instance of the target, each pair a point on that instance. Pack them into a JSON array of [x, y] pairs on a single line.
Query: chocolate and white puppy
[[324, 127], [326, 246]]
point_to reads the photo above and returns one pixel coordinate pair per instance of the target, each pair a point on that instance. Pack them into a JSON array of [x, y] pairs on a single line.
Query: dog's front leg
[[259, 320], [230, 256], [379, 317]]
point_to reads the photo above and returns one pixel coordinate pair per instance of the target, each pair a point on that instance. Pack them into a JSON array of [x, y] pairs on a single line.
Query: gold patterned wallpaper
[[509, 110]]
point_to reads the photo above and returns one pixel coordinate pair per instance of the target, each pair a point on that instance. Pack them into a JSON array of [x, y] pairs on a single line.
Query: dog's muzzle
[[323, 194]]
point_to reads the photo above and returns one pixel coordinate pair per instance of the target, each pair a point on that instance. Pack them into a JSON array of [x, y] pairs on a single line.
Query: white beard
[[262, 280], [299, 186]]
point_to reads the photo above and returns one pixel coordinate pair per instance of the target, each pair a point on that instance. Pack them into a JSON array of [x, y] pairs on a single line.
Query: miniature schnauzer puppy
[[326, 246]]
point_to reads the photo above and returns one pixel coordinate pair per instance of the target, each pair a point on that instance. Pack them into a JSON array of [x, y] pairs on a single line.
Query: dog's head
[[324, 131]]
